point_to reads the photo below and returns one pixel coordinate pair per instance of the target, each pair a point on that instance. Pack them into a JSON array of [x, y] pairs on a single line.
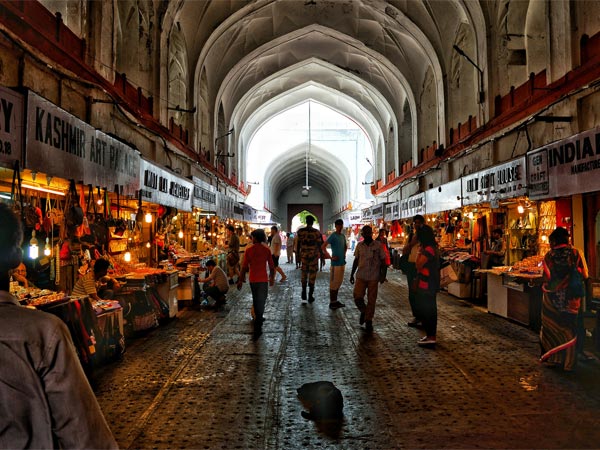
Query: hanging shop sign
[[162, 187], [392, 211], [204, 195], [261, 217], [366, 214], [566, 167], [507, 180], [249, 212], [413, 205], [444, 198], [352, 218], [377, 212], [11, 126], [59, 144]]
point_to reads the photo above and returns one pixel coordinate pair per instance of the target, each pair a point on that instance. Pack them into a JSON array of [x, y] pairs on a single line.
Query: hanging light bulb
[[148, 245], [127, 256], [148, 217], [195, 237], [180, 234], [47, 248], [34, 250], [520, 209]]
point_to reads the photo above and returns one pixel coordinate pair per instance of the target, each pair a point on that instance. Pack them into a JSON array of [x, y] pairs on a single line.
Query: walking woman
[[427, 283], [256, 260], [563, 291]]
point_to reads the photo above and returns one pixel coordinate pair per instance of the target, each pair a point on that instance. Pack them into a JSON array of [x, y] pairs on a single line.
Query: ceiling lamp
[[306, 186], [34, 250]]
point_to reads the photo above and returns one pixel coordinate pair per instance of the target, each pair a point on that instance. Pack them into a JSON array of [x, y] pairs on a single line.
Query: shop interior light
[[520, 209], [5, 196], [47, 248], [99, 201], [42, 189], [148, 244], [34, 250], [127, 256], [148, 217], [180, 235]]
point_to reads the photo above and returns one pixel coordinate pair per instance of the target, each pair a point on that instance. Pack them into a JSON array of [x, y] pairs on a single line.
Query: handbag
[[447, 275]]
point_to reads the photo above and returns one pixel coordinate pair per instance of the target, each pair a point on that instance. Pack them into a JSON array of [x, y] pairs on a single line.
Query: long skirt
[[558, 336]]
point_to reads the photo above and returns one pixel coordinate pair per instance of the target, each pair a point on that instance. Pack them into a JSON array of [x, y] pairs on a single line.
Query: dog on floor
[[323, 401]]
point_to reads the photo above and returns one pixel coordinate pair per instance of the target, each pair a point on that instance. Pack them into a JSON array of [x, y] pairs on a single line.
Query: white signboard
[[11, 126], [566, 167], [261, 217], [443, 198], [377, 212], [505, 180], [61, 145], [165, 188], [366, 214], [204, 195], [413, 205]]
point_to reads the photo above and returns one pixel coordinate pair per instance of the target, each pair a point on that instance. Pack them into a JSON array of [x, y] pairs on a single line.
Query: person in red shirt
[[256, 260]]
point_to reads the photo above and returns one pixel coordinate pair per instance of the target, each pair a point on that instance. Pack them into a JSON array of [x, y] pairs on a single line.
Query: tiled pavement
[[200, 381]]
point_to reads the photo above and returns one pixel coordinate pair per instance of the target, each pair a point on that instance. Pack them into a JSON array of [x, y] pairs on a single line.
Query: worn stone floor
[[201, 381]]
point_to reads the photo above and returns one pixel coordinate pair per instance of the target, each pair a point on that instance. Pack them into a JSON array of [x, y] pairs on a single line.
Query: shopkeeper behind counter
[[86, 285], [19, 274]]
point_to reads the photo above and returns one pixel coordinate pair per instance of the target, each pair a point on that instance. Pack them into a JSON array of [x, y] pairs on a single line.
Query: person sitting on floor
[[216, 283]]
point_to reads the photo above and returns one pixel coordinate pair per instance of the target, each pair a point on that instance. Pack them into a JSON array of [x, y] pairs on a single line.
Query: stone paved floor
[[201, 382]]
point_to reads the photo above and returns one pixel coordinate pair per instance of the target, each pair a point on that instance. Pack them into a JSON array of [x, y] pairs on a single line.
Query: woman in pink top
[[256, 259]]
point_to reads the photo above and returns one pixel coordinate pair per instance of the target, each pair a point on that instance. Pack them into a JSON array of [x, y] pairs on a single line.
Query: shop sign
[[162, 187], [238, 211], [366, 214], [11, 126], [566, 167], [413, 205], [505, 180], [59, 144], [377, 212], [248, 213], [204, 195], [261, 217], [392, 211], [443, 198], [353, 218]]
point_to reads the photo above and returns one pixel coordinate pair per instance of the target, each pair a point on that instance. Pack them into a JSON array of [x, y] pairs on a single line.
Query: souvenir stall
[[563, 177], [395, 236], [452, 232], [513, 290]]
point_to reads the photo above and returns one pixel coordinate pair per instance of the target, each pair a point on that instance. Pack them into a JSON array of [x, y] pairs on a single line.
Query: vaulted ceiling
[[382, 63]]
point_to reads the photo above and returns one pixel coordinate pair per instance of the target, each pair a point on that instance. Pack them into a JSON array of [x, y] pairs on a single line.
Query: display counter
[[515, 295]]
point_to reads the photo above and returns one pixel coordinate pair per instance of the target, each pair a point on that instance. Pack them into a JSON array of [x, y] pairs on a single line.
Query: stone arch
[[314, 208]]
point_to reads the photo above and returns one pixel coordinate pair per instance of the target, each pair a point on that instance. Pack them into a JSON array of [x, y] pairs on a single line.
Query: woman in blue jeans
[[427, 283]]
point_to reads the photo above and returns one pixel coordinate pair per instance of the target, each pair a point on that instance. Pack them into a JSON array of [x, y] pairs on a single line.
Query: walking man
[[337, 241], [369, 256], [309, 241], [275, 245]]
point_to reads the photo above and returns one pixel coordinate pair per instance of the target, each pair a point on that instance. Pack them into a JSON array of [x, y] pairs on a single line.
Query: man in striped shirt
[[86, 285]]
